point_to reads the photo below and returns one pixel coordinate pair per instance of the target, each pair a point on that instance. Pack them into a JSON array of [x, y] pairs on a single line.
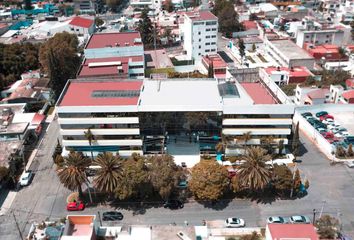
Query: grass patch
[[262, 58], [158, 70], [289, 89], [250, 59]]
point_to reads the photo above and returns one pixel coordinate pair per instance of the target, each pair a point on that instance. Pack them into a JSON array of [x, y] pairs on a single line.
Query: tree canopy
[[209, 180], [59, 58], [146, 28], [228, 17], [327, 227]]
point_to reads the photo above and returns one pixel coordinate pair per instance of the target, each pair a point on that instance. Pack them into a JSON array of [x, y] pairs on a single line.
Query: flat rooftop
[[201, 16], [95, 67], [158, 59], [116, 39], [101, 93], [259, 93], [180, 95], [291, 50]]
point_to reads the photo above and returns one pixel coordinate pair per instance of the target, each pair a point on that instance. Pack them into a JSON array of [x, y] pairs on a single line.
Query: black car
[[173, 204], [112, 216]]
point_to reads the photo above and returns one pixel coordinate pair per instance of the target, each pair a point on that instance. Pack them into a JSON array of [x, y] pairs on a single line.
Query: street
[[331, 189]]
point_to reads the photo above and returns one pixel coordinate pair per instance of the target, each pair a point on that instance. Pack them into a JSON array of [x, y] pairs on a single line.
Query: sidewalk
[[7, 203]]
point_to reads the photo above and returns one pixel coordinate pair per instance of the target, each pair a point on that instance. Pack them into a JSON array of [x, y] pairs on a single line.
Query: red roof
[[318, 93], [258, 93], [115, 39], [81, 22], [218, 62], [350, 82], [37, 119], [292, 72], [292, 231], [348, 94], [110, 69], [249, 25], [80, 93], [201, 15]]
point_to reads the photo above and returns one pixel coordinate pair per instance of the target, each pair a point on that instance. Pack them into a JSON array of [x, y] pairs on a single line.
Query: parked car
[[306, 114], [327, 135], [299, 219], [112, 216], [350, 164], [235, 222], [319, 114], [75, 206], [173, 204], [327, 121], [276, 219], [324, 117], [338, 134], [26, 178]]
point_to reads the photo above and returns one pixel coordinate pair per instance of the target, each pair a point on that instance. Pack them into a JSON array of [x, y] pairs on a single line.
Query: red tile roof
[[80, 93], [109, 70], [37, 119], [258, 93], [201, 15], [292, 231], [218, 62], [249, 25], [348, 94], [81, 22], [350, 82], [102, 40]]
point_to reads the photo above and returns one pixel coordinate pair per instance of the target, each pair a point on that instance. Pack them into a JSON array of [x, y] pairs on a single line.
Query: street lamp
[[314, 216]]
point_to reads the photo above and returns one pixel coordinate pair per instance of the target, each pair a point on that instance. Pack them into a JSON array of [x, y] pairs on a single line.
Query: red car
[[324, 117], [327, 135], [75, 206]]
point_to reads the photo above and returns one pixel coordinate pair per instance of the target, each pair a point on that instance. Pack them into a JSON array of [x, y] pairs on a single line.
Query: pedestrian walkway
[[6, 206]]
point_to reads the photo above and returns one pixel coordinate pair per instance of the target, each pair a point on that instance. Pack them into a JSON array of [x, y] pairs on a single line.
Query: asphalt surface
[[331, 189]]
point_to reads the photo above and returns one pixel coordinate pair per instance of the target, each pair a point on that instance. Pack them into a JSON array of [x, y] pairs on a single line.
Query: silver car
[[299, 219], [276, 219]]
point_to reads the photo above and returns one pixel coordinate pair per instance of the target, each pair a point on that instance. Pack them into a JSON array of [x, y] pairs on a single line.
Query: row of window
[[210, 43]]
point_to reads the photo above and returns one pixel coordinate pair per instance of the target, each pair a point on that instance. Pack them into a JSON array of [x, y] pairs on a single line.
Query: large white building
[[200, 31], [153, 116]]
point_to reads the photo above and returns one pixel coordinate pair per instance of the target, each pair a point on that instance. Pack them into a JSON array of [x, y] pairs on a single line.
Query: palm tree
[[254, 172], [246, 137], [90, 137], [110, 172], [72, 172], [267, 142]]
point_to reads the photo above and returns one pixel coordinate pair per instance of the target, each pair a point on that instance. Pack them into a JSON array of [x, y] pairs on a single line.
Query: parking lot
[[346, 120]]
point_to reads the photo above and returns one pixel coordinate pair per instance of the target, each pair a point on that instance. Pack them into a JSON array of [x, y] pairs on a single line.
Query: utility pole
[[18, 227], [99, 218], [314, 216]]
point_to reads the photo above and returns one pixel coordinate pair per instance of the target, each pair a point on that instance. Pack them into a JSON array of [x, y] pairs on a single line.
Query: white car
[[328, 121], [235, 222], [276, 219], [338, 134], [350, 164], [299, 219], [332, 128], [25, 178], [345, 133]]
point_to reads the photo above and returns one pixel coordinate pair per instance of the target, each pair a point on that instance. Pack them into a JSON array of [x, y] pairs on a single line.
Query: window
[[208, 29], [213, 29], [307, 36], [207, 37], [200, 47], [211, 23], [213, 43], [200, 39], [199, 33], [214, 36], [199, 54], [207, 43], [213, 50], [207, 50]]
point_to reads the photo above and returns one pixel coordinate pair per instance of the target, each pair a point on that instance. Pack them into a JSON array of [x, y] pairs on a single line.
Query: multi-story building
[[154, 116], [200, 31], [141, 4], [115, 55], [284, 75], [288, 54]]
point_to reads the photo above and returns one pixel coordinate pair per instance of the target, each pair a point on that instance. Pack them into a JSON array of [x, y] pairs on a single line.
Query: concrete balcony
[[100, 120], [257, 131], [119, 142], [257, 121], [105, 131]]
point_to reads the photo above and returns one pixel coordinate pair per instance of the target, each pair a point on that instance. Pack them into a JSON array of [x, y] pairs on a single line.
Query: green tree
[[227, 17], [254, 48], [295, 144], [307, 184], [98, 21], [57, 151], [211, 69], [254, 172], [28, 5], [340, 152], [109, 173], [241, 48], [90, 138], [168, 6], [209, 180], [113, 4], [280, 146], [59, 58], [164, 174], [4, 173], [135, 180], [235, 184], [72, 173], [267, 142], [282, 179], [297, 180], [146, 28], [350, 152], [327, 227]]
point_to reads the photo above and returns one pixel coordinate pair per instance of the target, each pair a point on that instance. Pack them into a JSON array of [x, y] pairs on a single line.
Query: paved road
[[331, 187]]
